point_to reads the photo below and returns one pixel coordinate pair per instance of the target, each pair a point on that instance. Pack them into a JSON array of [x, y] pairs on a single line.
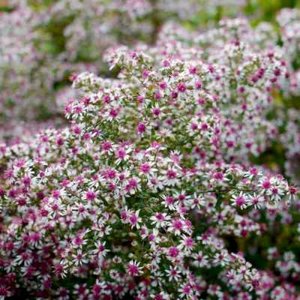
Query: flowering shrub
[[147, 191]]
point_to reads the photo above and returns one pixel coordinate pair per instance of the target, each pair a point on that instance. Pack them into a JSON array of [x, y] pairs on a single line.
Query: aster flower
[[133, 268]]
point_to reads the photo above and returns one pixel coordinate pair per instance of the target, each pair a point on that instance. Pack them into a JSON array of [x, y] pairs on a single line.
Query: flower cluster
[[225, 96], [148, 190]]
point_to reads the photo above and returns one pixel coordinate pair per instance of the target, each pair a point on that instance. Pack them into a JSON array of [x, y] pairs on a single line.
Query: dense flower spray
[[43, 42], [147, 190]]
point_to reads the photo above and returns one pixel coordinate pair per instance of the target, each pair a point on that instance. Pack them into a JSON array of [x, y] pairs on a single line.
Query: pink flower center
[[173, 251]]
